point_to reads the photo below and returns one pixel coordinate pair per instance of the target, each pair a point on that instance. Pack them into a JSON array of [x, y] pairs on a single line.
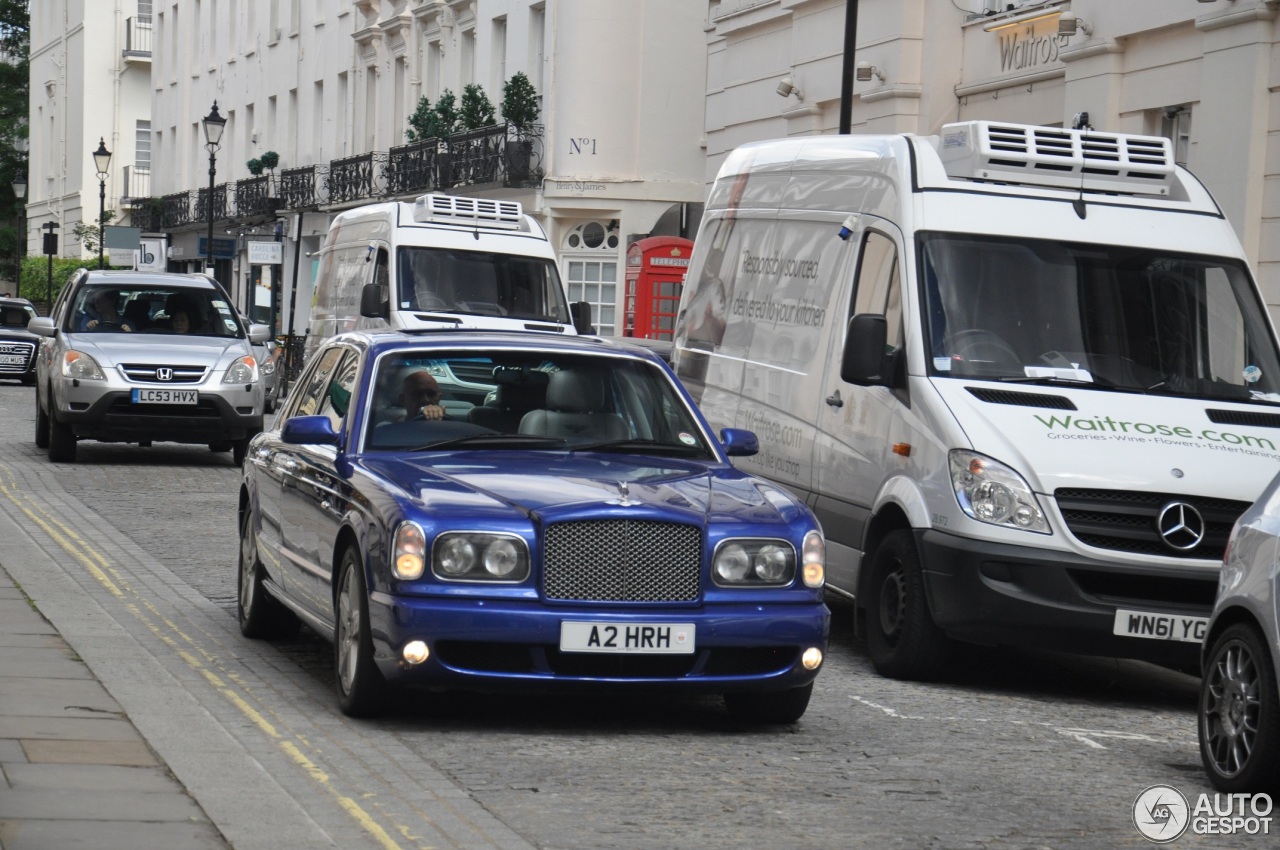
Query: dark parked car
[[18, 346], [546, 513]]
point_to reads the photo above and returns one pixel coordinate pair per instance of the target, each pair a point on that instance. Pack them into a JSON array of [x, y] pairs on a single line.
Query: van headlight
[[991, 492], [243, 371], [77, 364], [480, 556], [745, 562]]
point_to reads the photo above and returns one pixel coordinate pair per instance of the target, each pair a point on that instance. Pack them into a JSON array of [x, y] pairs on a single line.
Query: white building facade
[[1204, 73]]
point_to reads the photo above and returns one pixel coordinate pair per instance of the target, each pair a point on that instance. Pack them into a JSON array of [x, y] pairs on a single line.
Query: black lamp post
[[102, 162], [20, 193], [214, 124]]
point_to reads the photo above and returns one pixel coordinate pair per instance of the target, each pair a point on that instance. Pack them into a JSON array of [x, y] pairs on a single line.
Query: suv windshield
[[480, 283], [1120, 317], [522, 400], [176, 310]]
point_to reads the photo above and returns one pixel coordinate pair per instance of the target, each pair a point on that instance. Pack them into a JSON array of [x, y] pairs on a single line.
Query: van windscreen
[[1119, 317], [480, 283]]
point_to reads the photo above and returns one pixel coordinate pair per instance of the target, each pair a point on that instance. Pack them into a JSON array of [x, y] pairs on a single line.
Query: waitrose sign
[[1108, 428]]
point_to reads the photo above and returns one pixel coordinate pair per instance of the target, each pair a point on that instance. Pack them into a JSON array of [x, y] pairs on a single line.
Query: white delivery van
[[444, 261], [1022, 374]]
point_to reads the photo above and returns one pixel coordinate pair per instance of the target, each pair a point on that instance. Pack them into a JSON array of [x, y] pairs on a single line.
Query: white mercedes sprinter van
[[1022, 374], [444, 261]]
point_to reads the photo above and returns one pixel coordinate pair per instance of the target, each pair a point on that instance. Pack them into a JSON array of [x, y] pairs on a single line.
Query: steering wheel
[[975, 341], [105, 324]]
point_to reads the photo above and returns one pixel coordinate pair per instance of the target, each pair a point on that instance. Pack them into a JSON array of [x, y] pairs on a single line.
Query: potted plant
[[520, 111]]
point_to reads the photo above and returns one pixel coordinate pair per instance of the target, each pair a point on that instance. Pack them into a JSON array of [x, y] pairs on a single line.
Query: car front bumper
[[228, 414], [984, 592], [506, 646]]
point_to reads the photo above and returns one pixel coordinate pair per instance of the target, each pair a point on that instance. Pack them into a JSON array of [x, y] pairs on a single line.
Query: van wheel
[[1240, 713], [362, 690], [62, 442], [42, 426], [902, 639]]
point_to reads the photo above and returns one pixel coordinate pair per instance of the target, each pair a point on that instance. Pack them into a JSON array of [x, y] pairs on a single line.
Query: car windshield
[[480, 283], [16, 315], [549, 401], [122, 308], [1116, 317]]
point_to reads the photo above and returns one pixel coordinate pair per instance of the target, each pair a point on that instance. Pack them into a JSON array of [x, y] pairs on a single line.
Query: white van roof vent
[[1050, 156], [477, 212]]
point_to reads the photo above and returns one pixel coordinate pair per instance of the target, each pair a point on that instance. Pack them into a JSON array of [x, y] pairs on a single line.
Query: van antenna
[[1080, 122]]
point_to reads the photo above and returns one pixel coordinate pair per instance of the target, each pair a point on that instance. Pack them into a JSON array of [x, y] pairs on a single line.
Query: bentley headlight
[[243, 371], [409, 553], [991, 492], [77, 364], [745, 563], [480, 556]]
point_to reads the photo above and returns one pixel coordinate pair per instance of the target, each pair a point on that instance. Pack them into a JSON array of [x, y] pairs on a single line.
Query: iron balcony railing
[[490, 157]]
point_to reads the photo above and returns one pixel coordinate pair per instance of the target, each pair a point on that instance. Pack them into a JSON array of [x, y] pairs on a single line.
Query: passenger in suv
[[136, 378]]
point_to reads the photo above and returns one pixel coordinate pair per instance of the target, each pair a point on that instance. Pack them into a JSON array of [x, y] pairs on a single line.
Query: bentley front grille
[[622, 561]]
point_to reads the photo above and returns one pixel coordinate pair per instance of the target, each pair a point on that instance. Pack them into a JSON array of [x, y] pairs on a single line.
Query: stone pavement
[[74, 772]]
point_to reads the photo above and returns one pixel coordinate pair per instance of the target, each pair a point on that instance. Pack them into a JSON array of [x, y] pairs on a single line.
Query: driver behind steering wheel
[[101, 314]]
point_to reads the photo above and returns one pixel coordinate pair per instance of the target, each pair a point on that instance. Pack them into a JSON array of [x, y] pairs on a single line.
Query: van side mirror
[[581, 313], [371, 304], [864, 362]]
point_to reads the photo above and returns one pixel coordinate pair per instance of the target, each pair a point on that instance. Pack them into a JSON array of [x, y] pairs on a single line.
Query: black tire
[[769, 706], [240, 451], [62, 441], [42, 425], [28, 380], [902, 639], [261, 615], [220, 447], [1240, 713], [362, 691]]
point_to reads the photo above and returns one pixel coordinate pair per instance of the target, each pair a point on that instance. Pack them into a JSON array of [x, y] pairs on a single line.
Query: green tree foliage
[[434, 122], [519, 101], [267, 162], [477, 110], [15, 45], [34, 284], [86, 233]]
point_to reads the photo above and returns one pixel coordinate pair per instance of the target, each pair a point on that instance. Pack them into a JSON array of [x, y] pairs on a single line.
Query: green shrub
[[34, 282]]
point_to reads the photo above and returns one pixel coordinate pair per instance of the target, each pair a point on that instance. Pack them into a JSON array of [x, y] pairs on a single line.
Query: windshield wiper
[[634, 445], [1058, 380], [492, 440]]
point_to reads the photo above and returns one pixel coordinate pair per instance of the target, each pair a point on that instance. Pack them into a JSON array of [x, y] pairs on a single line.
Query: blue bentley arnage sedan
[[525, 512]]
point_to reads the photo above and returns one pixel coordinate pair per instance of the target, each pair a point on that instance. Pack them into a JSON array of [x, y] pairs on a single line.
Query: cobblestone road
[[1012, 750]]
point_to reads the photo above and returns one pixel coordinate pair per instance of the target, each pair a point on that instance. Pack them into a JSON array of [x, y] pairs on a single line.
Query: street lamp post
[[20, 193], [214, 124], [102, 162]]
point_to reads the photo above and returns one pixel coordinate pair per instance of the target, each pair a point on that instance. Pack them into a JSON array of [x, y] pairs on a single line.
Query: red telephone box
[[655, 276]]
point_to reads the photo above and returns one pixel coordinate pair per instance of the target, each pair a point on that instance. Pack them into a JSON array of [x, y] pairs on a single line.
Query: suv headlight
[[268, 367], [77, 364], [991, 492], [480, 556], [744, 562], [243, 371]]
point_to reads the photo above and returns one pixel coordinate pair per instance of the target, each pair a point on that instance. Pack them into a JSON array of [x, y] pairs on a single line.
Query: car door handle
[[834, 399]]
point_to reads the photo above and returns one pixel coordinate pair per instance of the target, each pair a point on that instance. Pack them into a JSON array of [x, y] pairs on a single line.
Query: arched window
[[590, 258]]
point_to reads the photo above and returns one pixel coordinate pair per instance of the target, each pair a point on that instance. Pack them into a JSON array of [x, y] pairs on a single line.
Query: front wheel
[[62, 441], [42, 425], [261, 615], [770, 706], [240, 451], [902, 639], [361, 689], [1240, 713]]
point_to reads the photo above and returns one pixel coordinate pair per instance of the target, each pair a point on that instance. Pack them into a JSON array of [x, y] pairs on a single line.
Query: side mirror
[[864, 362], [42, 326], [581, 313], [309, 431], [259, 333], [738, 442], [371, 304]]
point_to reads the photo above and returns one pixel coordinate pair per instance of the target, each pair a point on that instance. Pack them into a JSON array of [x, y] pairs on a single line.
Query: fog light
[[416, 652], [812, 658]]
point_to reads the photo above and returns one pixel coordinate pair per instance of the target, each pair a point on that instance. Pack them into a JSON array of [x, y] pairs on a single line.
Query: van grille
[[1125, 521], [622, 561]]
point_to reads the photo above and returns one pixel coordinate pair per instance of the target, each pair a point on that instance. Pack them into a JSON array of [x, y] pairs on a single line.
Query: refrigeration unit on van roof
[[468, 212], [1051, 156]]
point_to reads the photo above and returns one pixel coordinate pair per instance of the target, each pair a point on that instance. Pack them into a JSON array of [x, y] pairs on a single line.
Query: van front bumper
[[983, 592]]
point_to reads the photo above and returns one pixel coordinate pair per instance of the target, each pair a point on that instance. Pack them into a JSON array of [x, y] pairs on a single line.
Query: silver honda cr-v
[[138, 357]]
